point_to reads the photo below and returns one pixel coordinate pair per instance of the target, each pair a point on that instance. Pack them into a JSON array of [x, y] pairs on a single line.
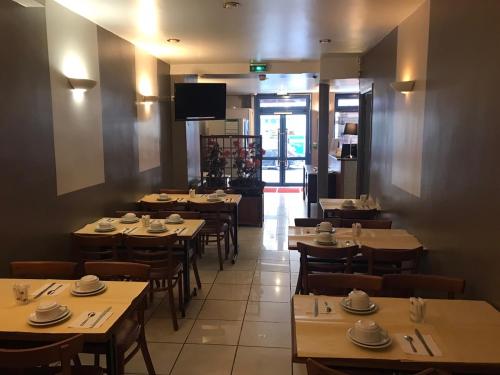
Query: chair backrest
[[43, 270], [160, 206], [155, 252], [405, 285], [357, 214], [152, 214], [61, 351], [210, 212], [340, 284], [174, 191], [96, 246], [316, 368], [369, 224], [120, 271], [385, 261], [312, 222]]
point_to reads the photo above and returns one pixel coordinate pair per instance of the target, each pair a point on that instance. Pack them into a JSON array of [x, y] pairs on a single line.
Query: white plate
[[373, 307], [174, 222], [52, 322], [130, 221], [164, 199], [105, 230], [331, 243], [150, 230], [32, 318], [99, 290], [380, 345]]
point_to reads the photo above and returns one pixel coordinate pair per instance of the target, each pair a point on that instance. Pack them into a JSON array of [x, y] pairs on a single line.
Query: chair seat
[[162, 273], [208, 229]]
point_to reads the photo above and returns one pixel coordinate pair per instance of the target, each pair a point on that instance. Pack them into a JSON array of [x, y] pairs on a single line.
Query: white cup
[[87, 283], [21, 293], [49, 311], [104, 225], [156, 225], [163, 196], [368, 332], [174, 218], [212, 196], [417, 309], [348, 203], [130, 216], [358, 299], [219, 192], [324, 226], [324, 237]]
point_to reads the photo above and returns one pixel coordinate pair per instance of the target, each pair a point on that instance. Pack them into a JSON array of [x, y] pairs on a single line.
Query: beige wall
[[77, 118]]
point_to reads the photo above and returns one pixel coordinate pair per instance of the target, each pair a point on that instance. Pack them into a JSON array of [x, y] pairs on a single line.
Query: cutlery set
[[410, 340], [129, 230], [91, 314], [48, 290]]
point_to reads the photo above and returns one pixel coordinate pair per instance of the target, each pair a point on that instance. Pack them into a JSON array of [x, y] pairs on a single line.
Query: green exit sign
[[258, 68]]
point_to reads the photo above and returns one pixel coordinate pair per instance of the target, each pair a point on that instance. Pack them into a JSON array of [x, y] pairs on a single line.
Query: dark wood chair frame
[[95, 247], [405, 285], [43, 270], [384, 261], [339, 284], [312, 222]]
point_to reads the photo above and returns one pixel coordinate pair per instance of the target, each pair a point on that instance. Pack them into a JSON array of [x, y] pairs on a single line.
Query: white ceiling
[[259, 29]]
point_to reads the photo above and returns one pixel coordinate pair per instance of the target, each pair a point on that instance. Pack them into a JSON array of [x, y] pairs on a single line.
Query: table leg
[[236, 223], [186, 275], [111, 365]]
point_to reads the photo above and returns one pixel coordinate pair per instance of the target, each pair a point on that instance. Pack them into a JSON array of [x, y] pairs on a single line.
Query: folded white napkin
[[89, 321], [405, 345], [57, 289]]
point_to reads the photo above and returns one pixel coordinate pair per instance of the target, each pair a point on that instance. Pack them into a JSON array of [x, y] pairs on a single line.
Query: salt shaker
[[145, 220], [192, 193]]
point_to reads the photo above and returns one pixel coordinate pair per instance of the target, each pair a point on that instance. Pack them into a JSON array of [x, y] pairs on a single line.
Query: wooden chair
[[37, 360], [322, 259], [171, 205], [369, 224], [215, 226], [339, 284], [357, 214], [131, 335], [174, 191], [88, 247], [166, 270], [310, 222], [316, 368], [405, 285], [384, 261], [43, 270]]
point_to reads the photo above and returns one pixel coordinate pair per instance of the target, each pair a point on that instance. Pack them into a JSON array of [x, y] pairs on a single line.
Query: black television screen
[[200, 101]]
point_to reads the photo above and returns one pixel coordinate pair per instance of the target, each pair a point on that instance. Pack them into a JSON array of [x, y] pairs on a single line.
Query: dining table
[[330, 205], [462, 335], [231, 201], [120, 299], [187, 231]]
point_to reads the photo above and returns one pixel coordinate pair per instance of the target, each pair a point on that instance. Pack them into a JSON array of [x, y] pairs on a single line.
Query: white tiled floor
[[239, 322]]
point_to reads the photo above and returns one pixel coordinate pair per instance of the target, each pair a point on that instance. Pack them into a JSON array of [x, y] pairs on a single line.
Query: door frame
[[364, 141], [283, 112]]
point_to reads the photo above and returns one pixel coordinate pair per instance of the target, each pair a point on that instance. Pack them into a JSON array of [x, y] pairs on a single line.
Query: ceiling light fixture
[[231, 5], [173, 40], [325, 41]]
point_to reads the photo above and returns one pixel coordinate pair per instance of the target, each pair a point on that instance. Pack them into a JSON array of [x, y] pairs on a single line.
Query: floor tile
[[270, 293], [223, 332], [299, 369], [273, 265], [192, 309], [271, 278], [233, 292], [162, 330], [241, 265], [223, 310], [204, 360], [262, 361], [163, 356], [267, 312], [234, 277], [276, 335], [203, 292], [294, 266], [207, 276]]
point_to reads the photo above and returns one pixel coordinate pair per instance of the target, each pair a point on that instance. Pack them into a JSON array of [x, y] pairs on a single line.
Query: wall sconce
[[81, 83], [148, 99], [403, 86]]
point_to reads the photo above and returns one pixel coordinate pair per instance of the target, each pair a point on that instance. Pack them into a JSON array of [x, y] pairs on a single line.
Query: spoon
[[89, 315], [410, 340]]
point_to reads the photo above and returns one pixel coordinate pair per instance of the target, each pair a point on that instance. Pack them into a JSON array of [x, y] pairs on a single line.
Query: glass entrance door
[[284, 126]]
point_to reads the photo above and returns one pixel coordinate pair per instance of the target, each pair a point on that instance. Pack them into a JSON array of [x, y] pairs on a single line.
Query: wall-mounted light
[[148, 99], [403, 86], [81, 83]]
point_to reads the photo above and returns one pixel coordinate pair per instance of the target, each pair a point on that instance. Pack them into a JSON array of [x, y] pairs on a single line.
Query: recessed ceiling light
[[231, 4], [173, 40], [325, 41]]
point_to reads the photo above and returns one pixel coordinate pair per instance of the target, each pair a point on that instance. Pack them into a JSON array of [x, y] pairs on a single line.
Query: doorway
[[284, 123]]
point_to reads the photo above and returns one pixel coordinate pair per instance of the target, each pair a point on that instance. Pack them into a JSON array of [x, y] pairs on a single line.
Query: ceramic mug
[[104, 225], [87, 283], [156, 225], [163, 196], [174, 218], [129, 216], [358, 299], [324, 226], [49, 311], [368, 332], [325, 237], [219, 192]]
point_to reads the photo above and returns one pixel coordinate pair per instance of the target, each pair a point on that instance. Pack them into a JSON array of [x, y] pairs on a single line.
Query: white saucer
[[150, 230], [214, 200], [99, 290], [380, 345], [164, 199], [174, 222], [129, 221], [330, 243], [373, 307], [105, 230], [221, 195], [61, 319]]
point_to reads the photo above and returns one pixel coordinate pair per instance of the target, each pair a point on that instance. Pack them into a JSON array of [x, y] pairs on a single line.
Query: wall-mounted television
[[200, 101]]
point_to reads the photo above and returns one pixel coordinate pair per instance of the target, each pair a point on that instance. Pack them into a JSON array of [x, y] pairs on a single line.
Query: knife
[[421, 338], [179, 232], [43, 291], [131, 230], [100, 317], [50, 292]]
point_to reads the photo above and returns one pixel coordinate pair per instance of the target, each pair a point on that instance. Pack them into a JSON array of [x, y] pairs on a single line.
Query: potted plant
[[216, 160], [247, 162]]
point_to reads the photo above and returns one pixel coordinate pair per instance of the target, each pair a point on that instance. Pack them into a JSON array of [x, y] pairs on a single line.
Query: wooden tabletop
[[329, 204], [13, 317], [466, 332], [191, 228], [376, 238], [199, 198]]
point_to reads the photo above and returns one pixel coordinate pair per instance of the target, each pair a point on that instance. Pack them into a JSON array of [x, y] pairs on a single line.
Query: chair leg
[[226, 245], [194, 264], [171, 301], [120, 362], [145, 354], [180, 287], [219, 250]]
